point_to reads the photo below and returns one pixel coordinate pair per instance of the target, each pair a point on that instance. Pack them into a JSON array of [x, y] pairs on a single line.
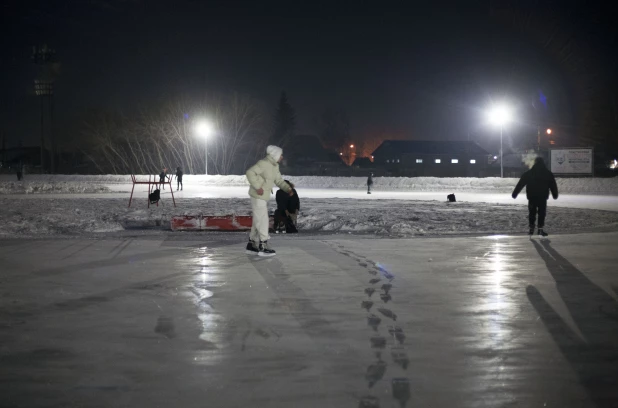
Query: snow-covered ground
[[401, 218], [122, 183], [76, 205]]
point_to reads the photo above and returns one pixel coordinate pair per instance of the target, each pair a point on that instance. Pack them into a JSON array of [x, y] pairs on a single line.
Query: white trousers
[[259, 227]]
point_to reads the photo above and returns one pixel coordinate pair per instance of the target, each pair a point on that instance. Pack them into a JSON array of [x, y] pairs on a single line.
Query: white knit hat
[[274, 152]]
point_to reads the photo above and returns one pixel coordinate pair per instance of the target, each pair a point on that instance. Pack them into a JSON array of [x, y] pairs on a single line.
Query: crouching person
[[262, 177], [286, 214]]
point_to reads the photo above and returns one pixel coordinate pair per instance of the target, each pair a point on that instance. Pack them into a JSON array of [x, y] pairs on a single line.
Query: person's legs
[[294, 217], [259, 226], [542, 205], [531, 213]]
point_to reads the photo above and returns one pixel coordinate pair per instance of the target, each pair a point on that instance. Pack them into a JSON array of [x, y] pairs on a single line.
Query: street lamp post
[[45, 58], [500, 115], [204, 130]]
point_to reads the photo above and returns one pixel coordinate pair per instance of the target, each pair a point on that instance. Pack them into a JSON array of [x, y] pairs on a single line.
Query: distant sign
[[572, 161]]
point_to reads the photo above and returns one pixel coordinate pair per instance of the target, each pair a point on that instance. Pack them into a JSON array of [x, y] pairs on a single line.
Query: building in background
[[432, 159]]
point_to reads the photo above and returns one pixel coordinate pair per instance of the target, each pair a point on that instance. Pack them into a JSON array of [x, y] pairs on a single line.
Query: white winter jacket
[[265, 175]]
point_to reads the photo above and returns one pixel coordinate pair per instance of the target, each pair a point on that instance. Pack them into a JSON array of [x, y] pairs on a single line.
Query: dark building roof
[[307, 148], [399, 147]]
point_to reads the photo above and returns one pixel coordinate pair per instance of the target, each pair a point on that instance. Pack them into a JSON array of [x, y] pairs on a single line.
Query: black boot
[[264, 249], [542, 233], [252, 249], [531, 231]]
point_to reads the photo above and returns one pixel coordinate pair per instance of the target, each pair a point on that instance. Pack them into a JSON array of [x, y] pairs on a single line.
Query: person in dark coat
[[539, 181], [284, 217], [369, 183], [20, 172], [178, 178], [162, 177]]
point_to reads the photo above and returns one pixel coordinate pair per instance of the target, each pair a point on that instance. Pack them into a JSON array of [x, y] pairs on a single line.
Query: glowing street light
[[500, 115], [549, 131], [204, 129], [351, 146]]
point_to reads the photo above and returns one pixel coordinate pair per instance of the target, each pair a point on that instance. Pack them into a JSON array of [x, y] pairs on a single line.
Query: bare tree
[[153, 138]]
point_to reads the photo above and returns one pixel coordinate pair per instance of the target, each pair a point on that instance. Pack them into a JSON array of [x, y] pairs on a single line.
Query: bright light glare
[[351, 146], [499, 115], [203, 129], [549, 131]]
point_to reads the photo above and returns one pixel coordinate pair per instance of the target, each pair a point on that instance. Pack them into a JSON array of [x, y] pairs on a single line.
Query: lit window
[[472, 161], [438, 161], [419, 160], [552, 142], [397, 160], [454, 160], [388, 161]]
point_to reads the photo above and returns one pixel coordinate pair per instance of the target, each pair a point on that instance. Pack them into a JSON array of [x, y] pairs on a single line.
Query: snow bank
[[110, 183], [389, 218], [53, 187]]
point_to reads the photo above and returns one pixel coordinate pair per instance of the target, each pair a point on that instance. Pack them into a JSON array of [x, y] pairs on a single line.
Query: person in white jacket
[[262, 177]]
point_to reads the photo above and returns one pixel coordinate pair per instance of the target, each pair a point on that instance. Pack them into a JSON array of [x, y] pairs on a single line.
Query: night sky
[[425, 70]]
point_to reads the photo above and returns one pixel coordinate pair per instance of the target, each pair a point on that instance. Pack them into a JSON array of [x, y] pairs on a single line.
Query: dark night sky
[[424, 70]]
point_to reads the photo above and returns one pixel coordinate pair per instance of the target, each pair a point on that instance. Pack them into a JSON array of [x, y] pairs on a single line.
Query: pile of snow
[[111, 183], [388, 218], [53, 187]]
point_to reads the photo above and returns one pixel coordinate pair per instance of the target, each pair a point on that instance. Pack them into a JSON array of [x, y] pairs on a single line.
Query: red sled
[[214, 223]]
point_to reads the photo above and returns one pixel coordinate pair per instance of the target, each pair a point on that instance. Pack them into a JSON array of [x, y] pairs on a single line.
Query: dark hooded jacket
[[282, 200], [294, 202], [287, 202], [539, 181]]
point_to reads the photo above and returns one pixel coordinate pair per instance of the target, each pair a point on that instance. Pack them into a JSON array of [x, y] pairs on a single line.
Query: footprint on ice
[[388, 313], [400, 357], [373, 321], [375, 372], [378, 342], [369, 402], [398, 333], [375, 280], [369, 291], [401, 390], [367, 304]]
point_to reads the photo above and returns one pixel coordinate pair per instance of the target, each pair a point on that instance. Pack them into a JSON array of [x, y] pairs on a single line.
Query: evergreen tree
[[285, 122]]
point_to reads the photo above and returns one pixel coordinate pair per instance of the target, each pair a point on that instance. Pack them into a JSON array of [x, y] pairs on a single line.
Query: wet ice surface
[[490, 321]]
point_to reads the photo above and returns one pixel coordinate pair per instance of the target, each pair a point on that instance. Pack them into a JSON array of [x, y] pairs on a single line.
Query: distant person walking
[[162, 177], [262, 177], [539, 182], [178, 178], [369, 183], [20, 172]]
